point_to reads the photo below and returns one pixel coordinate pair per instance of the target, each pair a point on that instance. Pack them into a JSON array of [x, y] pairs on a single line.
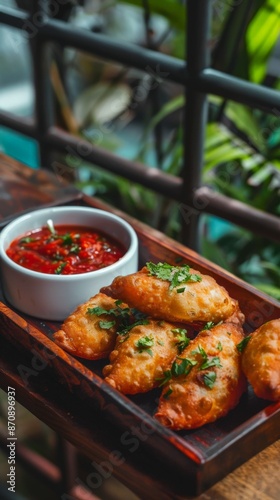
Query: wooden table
[[41, 393]]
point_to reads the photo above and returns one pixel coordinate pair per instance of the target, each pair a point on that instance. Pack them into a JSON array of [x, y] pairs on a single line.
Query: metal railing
[[198, 79]]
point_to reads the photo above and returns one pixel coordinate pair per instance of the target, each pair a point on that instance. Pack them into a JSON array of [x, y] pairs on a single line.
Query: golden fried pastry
[[89, 332], [261, 360], [178, 294], [205, 381], [140, 359]]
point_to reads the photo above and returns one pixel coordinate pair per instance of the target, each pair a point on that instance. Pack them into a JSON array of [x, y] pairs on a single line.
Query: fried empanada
[[88, 334], [140, 359], [191, 297], [206, 380], [261, 360]]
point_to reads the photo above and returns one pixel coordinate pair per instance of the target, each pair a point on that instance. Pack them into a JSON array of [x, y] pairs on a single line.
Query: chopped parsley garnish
[[241, 346], [127, 318], [182, 340], [167, 393], [66, 239], [183, 366], [117, 311], [209, 379], [125, 329], [60, 268], [219, 346], [106, 325], [177, 369], [174, 274], [75, 248], [207, 361], [215, 361], [27, 239], [200, 351], [208, 325], [144, 344]]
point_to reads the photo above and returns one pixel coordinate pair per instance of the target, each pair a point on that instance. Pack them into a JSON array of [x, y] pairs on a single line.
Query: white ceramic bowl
[[54, 297]]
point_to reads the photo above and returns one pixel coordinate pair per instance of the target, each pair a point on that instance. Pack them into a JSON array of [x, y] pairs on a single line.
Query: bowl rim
[[133, 246]]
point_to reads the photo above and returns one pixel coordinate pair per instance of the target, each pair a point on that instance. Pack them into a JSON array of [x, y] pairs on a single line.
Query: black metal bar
[[44, 101], [203, 200], [21, 124], [12, 17], [258, 222], [67, 463], [197, 77], [195, 113], [165, 67], [161, 66]]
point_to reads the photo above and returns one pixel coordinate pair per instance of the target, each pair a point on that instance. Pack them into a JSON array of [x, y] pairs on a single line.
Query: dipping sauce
[[66, 250]]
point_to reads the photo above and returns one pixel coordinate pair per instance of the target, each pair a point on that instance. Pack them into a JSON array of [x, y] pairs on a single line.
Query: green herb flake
[[106, 325], [160, 323], [208, 326], [209, 362], [26, 240], [160, 342], [60, 268], [124, 329], [167, 376], [209, 379], [174, 274], [126, 318], [241, 346], [75, 248], [201, 352], [182, 340], [97, 311], [219, 346], [167, 393], [144, 344], [66, 239], [177, 369]]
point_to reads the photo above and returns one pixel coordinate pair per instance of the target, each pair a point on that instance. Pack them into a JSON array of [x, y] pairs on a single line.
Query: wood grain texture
[[23, 189]]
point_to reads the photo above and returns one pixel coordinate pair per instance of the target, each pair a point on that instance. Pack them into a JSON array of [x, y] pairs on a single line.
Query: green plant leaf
[[214, 253], [167, 109], [261, 38], [244, 119], [227, 152], [269, 290]]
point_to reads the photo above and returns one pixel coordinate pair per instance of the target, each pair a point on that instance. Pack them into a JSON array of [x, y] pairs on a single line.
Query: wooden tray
[[199, 458]]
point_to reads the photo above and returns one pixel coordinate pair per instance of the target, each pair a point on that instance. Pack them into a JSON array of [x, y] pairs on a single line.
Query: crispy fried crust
[[200, 301], [81, 334], [261, 361], [187, 402], [134, 369]]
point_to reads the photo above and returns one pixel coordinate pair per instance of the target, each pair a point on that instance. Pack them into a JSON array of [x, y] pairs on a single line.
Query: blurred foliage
[[242, 145]]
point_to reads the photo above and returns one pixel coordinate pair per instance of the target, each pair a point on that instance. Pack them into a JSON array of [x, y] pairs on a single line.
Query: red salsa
[[66, 250]]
